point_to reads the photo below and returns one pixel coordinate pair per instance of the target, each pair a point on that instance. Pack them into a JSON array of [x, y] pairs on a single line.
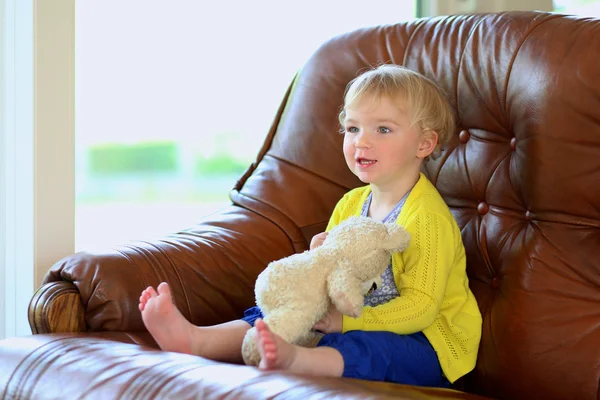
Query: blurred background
[[173, 100]]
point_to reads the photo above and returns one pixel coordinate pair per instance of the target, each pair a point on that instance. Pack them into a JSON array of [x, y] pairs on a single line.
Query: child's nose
[[362, 141]]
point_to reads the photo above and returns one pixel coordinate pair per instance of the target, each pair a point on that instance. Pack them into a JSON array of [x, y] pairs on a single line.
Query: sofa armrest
[[211, 269], [56, 307]]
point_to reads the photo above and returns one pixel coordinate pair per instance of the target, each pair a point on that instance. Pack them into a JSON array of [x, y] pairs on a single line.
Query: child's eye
[[352, 129], [383, 129]]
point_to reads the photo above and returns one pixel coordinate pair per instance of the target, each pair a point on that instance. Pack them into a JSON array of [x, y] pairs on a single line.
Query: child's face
[[380, 146]]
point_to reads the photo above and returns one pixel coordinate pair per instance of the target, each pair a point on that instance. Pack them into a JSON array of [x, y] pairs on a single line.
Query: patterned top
[[388, 289]]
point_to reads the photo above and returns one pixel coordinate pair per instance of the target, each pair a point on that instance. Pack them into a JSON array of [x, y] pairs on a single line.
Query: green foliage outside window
[[152, 158], [220, 164], [118, 159]]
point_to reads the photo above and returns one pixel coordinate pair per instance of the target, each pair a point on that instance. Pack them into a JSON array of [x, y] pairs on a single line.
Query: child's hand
[[318, 240], [331, 322]]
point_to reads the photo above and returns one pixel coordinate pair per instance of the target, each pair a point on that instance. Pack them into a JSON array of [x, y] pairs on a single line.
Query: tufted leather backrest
[[522, 178]]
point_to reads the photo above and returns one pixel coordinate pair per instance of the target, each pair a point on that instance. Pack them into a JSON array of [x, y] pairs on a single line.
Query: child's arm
[[427, 261]]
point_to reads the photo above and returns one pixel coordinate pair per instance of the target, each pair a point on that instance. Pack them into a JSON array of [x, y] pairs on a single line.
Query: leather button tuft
[[483, 208], [464, 136], [513, 143], [495, 282], [528, 215]]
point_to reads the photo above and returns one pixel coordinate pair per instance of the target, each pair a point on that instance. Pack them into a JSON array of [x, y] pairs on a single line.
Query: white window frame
[[37, 205], [16, 166]]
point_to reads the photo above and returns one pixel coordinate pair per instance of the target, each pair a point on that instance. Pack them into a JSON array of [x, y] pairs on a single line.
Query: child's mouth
[[365, 162]]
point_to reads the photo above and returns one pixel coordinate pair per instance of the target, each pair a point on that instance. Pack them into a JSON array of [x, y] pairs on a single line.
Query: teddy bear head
[[366, 242], [363, 248]]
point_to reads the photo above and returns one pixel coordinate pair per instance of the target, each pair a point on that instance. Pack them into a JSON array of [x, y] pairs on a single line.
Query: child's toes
[[270, 348]]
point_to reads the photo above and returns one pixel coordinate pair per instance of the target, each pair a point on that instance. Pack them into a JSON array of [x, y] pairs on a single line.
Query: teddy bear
[[296, 292]]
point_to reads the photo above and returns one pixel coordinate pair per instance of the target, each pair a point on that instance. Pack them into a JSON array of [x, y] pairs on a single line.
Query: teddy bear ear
[[397, 238]]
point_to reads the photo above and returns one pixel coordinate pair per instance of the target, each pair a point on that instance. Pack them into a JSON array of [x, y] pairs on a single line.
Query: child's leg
[[276, 353], [173, 332], [381, 356]]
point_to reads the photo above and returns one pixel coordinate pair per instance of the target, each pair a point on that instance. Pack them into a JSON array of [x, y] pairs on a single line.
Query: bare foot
[[275, 353], [163, 320]]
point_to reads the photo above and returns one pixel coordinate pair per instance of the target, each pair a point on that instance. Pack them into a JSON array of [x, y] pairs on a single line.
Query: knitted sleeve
[[422, 284]]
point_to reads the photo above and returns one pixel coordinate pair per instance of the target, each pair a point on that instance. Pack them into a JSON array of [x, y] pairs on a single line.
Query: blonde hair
[[427, 103]]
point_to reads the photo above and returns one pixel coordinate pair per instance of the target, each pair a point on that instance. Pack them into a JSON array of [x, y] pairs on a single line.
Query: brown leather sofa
[[522, 178]]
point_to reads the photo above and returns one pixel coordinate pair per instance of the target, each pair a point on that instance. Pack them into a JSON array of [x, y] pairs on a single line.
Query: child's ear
[[429, 139]]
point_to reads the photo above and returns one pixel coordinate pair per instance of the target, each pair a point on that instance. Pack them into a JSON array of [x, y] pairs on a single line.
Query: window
[[173, 102], [585, 8], [16, 166]]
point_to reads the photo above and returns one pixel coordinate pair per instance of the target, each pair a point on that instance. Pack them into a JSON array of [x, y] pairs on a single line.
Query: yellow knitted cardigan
[[431, 278]]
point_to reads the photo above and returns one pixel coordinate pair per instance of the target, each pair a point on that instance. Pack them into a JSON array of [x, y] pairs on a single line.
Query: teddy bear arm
[[349, 303], [345, 291]]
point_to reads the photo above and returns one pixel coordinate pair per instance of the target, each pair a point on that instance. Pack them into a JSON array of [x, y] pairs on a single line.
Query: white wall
[[54, 132]]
